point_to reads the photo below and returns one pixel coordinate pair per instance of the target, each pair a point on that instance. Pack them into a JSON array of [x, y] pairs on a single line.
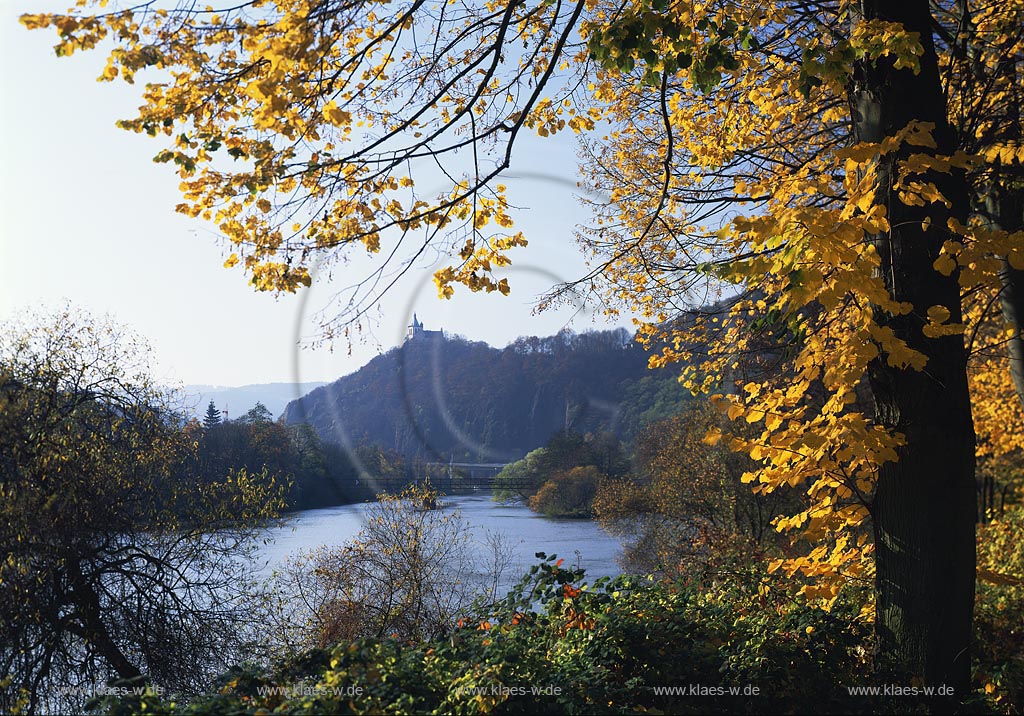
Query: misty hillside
[[237, 401], [438, 397]]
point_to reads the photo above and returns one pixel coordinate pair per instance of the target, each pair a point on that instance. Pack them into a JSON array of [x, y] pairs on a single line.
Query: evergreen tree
[[212, 416]]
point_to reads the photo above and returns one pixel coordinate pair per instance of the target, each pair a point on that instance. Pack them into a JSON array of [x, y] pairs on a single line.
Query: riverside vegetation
[[846, 177], [399, 613]]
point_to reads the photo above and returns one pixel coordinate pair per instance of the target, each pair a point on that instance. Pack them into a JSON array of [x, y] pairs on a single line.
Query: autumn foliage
[[685, 509], [842, 183]]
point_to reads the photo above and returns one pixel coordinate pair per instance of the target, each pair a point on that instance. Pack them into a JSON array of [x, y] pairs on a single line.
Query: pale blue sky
[[87, 216]]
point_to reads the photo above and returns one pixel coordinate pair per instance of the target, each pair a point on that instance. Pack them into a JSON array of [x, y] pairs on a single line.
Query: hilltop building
[[416, 332]]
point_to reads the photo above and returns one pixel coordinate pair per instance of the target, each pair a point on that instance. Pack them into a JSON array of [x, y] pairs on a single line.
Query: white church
[[416, 331]]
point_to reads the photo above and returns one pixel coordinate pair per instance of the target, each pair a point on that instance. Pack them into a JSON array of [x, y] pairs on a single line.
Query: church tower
[[416, 331]]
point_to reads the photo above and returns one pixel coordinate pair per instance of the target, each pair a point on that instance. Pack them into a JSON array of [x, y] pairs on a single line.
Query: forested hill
[[437, 397]]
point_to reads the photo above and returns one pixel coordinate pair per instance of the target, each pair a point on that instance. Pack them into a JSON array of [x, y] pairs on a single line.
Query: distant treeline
[[318, 472]]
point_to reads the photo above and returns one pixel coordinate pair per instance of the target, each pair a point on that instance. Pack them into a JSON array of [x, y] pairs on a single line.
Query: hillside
[[440, 397]]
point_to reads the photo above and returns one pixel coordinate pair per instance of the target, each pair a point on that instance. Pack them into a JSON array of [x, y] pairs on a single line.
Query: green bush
[[999, 611], [605, 648]]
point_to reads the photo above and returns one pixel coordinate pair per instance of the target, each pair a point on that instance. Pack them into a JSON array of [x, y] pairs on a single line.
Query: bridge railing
[[445, 483]]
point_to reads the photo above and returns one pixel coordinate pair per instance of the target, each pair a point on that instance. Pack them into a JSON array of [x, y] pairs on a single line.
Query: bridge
[[450, 476]]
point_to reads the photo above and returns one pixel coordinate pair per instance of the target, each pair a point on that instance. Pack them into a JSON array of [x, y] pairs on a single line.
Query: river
[[581, 542]]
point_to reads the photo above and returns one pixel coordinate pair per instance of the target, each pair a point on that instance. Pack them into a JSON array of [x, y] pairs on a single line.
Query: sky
[[87, 217]]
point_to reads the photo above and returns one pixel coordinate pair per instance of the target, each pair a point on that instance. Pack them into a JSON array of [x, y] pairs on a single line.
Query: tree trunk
[[93, 630], [924, 506], [1012, 297], [1003, 210], [1001, 203]]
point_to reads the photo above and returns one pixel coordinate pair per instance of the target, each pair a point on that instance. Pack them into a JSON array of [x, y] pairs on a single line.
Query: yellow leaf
[[864, 202], [945, 264], [34, 22], [336, 116], [938, 314], [713, 436]]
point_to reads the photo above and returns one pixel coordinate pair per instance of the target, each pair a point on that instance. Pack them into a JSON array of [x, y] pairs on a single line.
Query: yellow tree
[[829, 185], [801, 160], [982, 69]]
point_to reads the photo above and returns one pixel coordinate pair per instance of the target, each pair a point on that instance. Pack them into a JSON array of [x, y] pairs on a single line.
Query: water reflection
[[525, 533]]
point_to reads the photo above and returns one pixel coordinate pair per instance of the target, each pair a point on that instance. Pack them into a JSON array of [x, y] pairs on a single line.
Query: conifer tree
[[212, 417]]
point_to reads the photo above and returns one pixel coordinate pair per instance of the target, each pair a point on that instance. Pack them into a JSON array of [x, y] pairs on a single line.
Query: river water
[[578, 542]]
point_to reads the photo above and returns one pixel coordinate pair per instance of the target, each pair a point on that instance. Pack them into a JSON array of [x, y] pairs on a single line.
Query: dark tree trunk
[[1005, 202], [1012, 297], [1003, 210], [924, 506], [1000, 199], [92, 628]]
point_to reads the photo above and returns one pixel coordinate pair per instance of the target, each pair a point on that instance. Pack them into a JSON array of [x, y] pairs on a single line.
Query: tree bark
[[1003, 210], [93, 630], [1012, 297], [1001, 202], [924, 507]]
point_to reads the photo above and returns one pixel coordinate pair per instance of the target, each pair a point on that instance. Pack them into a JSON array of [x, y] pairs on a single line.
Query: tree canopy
[[846, 175], [118, 560], [685, 505]]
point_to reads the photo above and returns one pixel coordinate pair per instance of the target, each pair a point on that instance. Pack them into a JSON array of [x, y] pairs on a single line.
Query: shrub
[[409, 573], [999, 611], [555, 646], [569, 493]]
